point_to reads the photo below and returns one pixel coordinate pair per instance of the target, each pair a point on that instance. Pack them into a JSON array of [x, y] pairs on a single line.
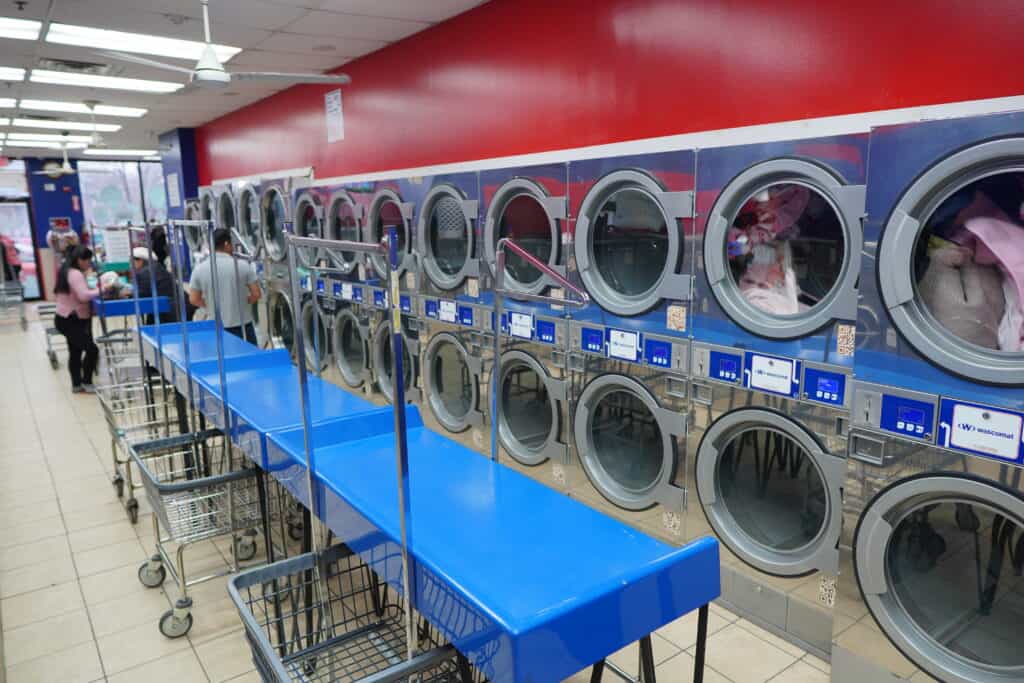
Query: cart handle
[[337, 245]]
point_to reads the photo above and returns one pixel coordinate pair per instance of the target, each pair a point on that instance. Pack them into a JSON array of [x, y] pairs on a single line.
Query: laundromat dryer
[[350, 333], [630, 403], [317, 317], [766, 449], [248, 231], [381, 361], [275, 223], [447, 237], [456, 341]]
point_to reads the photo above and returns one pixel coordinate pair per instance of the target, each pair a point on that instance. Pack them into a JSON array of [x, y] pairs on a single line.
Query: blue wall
[[178, 156], [61, 200]]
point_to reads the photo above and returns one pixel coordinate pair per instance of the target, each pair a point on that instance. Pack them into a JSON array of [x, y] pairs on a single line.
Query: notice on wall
[[334, 116], [173, 193], [117, 246]]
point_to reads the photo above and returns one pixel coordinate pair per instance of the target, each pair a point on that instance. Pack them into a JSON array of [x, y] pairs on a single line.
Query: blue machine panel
[[405, 303], [466, 316], [773, 374], [336, 290], [822, 386], [321, 286], [981, 430], [658, 353], [304, 282], [624, 344], [907, 417], [380, 298], [348, 292], [727, 367], [430, 308], [545, 331], [592, 340]]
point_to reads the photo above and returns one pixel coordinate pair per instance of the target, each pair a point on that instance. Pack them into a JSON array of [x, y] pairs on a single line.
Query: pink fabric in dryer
[[1001, 243]]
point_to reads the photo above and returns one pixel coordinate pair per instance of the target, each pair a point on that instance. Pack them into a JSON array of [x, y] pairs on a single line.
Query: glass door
[[19, 247]]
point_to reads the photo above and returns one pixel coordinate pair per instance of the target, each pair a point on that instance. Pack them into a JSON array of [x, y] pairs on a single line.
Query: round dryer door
[[782, 248], [282, 324], [343, 224], [383, 365], [273, 214], [350, 348], [624, 443], [770, 492], [938, 559], [628, 243], [453, 382], [446, 237], [521, 212], [249, 219], [386, 212], [195, 236], [308, 219], [530, 409], [226, 212], [317, 341], [946, 267]]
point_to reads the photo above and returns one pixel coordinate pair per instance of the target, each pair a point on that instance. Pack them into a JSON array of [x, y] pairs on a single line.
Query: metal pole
[[219, 333], [176, 259]]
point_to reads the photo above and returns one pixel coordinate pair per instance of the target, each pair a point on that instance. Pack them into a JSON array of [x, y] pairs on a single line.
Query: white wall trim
[[256, 179]]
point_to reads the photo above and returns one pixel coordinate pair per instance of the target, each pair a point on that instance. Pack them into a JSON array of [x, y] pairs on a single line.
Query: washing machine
[[530, 206], [275, 223], [632, 251], [765, 459], [932, 551], [381, 365], [354, 320], [628, 390], [778, 247], [940, 286], [447, 237], [456, 342], [533, 384]]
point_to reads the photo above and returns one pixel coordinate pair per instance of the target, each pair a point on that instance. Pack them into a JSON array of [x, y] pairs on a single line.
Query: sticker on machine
[[771, 374], [521, 325], [827, 590], [447, 311], [624, 345], [984, 430], [675, 318]]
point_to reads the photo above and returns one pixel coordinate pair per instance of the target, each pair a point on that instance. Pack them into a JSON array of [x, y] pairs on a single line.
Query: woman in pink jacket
[[74, 317]]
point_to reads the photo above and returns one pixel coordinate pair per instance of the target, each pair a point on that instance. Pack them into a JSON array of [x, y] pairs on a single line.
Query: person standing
[[147, 270], [73, 317], [231, 291]]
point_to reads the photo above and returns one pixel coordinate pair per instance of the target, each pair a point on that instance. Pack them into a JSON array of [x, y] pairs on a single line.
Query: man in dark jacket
[[164, 283]]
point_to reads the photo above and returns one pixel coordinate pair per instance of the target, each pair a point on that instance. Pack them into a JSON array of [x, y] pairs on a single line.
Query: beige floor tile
[[11, 517], [113, 584], [28, 579], [226, 657], [864, 636], [26, 497], [254, 677], [743, 657], [46, 637], [212, 619], [109, 557], [87, 468], [176, 668], [723, 612], [99, 536], [98, 515], [683, 631], [801, 673], [784, 645], [31, 532], [42, 553], [78, 664], [679, 669], [629, 657], [135, 646], [818, 663], [139, 609], [42, 604]]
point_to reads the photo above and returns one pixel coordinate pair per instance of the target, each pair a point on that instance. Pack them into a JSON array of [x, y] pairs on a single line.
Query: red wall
[[520, 76]]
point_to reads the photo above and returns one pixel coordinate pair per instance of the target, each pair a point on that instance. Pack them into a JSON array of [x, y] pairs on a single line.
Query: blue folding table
[[202, 345]]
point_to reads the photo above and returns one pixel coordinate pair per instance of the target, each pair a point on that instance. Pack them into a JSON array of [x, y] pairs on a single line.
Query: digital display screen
[[466, 315], [828, 384], [728, 365], [910, 415], [546, 331], [592, 340], [658, 353], [430, 308]]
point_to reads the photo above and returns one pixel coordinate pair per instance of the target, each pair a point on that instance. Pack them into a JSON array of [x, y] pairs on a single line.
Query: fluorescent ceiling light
[[103, 39], [111, 82], [8, 103], [78, 108], [101, 152], [151, 158], [44, 145], [11, 73], [48, 137], [19, 29], [66, 125]]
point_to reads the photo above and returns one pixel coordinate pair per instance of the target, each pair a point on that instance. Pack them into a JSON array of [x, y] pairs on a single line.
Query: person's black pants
[[82, 350], [250, 332]]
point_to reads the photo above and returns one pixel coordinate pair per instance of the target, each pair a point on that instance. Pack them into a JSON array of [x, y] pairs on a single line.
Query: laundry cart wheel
[[132, 508], [54, 363], [173, 626], [152, 578], [118, 482], [245, 548]]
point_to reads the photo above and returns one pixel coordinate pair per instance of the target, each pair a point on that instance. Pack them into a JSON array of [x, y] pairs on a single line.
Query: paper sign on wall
[[334, 116], [173, 193]]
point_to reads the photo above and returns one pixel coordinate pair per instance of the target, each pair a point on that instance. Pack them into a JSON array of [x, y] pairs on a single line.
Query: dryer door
[[350, 348], [226, 213], [343, 224], [383, 365], [782, 248], [273, 215], [531, 409], [386, 211], [938, 559], [452, 377], [949, 264], [248, 213], [625, 441], [282, 324], [196, 237], [445, 233], [309, 213], [317, 340], [770, 491], [629, 243]]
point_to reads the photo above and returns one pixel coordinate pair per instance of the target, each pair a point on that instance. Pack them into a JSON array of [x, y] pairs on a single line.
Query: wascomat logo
[[773, 373], [968, 427]]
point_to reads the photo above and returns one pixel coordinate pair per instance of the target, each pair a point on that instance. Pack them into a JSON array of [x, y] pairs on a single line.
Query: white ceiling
[[275, 35]]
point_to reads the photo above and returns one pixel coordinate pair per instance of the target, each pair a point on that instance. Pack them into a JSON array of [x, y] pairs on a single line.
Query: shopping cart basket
[[12, 302], [327, 617]]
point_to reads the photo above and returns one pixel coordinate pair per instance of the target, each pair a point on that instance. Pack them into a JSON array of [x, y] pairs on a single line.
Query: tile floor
[[73, 610]]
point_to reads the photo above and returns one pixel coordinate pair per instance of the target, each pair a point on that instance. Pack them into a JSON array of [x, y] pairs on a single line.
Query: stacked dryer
[[933, 536], [316, 310], [249, 233], [275, 223], [778, 244]]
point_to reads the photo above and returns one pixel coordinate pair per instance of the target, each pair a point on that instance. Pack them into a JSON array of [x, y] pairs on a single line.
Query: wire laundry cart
[[55, 342], [12, 301]]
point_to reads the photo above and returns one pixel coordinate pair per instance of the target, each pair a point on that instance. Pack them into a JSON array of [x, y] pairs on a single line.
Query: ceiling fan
[[210, 73], [52, 169]]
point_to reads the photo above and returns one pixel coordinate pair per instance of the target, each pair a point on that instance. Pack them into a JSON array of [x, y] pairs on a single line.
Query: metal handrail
[[582, 299]]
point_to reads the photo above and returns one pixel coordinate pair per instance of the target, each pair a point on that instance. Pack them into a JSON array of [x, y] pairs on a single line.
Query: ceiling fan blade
[[125, 57], [337, 79]]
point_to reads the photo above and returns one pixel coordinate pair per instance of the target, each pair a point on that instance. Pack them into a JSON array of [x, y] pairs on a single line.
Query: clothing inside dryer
[[390, 215], [955, 569], [453, 382], [307, 223], [786, 248], [526, 406], [525, 221], [627, 441], [969, 263], [772, 489], [629, 243], [344, 226], [282, 328], [250, 218], [449, 234]]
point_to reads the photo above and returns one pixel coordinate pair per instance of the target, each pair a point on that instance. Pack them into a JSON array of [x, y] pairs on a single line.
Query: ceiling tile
[[251, 13], [305, 44], [355, 26], [432, 11], [265, 60]]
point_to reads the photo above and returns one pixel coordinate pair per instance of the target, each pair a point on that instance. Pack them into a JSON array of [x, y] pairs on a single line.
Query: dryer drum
[[939, 560], [282, 326], [529, 414], [343, 224], [318, 343], [452, 386], [525, 221], [249, 219], [386, 213], [307, 224], [448, 241], [349, 349], [226, 213], [383, 365], [273, 214], [195, 236]]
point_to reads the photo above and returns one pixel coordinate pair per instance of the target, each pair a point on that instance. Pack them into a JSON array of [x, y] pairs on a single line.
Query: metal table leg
[[702, 641]]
